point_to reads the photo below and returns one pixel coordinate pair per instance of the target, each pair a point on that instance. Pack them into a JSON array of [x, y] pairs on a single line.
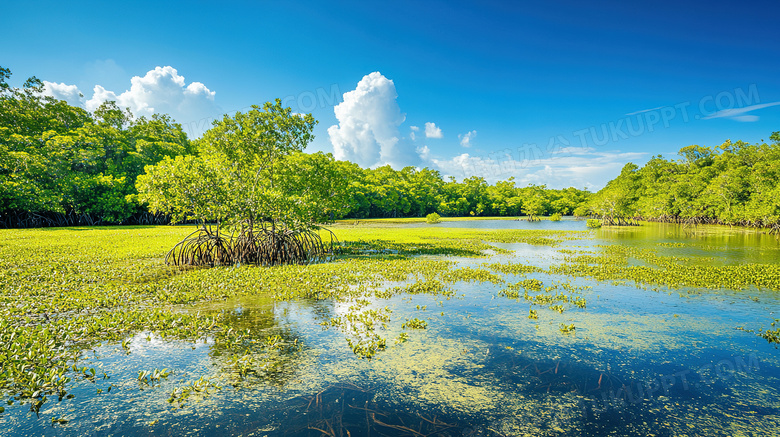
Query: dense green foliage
[[250, 177], [735, 184], [61, 165], [411, 192]]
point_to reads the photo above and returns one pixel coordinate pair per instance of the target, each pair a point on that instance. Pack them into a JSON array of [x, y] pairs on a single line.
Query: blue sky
[[562, 93]]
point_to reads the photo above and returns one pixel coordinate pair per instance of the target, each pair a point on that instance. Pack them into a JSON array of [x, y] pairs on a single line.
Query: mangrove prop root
[[261, 246]]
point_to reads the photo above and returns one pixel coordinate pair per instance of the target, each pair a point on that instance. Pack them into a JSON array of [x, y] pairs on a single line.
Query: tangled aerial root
[[263, 246], [618, 220]]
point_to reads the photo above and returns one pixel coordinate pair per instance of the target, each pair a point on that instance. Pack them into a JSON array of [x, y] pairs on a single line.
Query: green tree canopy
[[735, 183], [251, 177]]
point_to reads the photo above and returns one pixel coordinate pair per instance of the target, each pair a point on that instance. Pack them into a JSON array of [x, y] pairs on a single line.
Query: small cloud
[[61, 91], [573, 151], [414, 128], [746, 118], [424, 152], [432, 131], [465, 139], [644, 110], [740, 114]]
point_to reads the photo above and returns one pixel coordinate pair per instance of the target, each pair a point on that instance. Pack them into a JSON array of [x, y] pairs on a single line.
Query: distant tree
[[615, 203], [59, 164], [734, 183], [533, 207]]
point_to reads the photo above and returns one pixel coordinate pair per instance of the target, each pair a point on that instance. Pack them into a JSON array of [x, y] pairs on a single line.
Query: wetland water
[[642, 360]]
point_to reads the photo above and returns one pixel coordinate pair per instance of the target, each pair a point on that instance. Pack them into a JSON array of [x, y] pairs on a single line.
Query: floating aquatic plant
[[567, 329], [415, 323], [91, 287]]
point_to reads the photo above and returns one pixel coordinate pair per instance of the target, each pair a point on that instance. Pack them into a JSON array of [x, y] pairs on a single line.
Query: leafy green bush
[[253, 180], [593, 223], [581, 211], [556, 217], [433, 218]]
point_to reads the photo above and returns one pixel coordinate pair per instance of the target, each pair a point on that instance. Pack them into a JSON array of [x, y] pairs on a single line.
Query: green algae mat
[[480, 327]]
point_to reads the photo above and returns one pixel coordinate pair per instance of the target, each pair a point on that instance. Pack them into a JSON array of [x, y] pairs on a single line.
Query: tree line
[[61, 165], [412, 192], [735, 183]]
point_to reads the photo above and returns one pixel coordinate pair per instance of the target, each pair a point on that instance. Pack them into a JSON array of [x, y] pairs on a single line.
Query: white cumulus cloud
[[61, 91], [161, 90], [465, 139], [432, 131], [368, 131], [577, 168]]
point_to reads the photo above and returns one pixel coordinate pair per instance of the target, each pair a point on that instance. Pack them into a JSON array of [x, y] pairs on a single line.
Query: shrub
[[556, 217], [593, 223], [581, 211], [433, 218]]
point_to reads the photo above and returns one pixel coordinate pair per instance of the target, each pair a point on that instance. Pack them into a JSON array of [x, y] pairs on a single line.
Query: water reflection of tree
[[322, 309], [255, 346]]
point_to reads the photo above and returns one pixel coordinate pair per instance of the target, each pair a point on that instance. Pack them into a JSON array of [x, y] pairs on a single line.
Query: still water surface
[[642, 361]]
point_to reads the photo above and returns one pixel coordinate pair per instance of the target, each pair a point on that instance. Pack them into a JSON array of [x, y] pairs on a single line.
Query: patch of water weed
[[557, 297], [65, 291], [644, 266]]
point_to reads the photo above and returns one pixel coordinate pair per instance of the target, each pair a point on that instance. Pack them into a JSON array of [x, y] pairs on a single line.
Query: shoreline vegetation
[[63, 166], [735, 184]]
